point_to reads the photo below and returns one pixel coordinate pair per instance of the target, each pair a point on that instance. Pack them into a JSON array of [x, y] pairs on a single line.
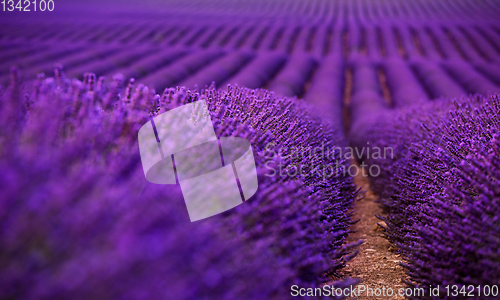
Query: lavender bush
[[79, 221], [442, 190]]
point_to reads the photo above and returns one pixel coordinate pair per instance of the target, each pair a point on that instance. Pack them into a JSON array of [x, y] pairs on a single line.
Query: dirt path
[[376, 265]]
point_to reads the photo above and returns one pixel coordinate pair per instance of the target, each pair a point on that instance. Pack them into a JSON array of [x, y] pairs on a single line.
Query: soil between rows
[[376, 265]]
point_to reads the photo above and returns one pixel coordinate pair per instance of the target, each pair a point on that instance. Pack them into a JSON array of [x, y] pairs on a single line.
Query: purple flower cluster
[[78, 220], [442, 190]]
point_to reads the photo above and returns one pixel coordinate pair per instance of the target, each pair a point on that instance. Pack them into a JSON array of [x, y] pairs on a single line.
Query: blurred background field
[[319, 50]]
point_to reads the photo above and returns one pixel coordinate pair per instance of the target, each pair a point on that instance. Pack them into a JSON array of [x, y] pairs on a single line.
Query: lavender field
[[78, 220]]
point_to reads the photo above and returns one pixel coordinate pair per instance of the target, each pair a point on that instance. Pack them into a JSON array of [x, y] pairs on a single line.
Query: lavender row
[[482, 44], [389, 41], [181, 68], [272, 35], [148, 64], [449, 48], [470, 79], [372, 44], [491, 72], [429, 45], [71, 60], [441, 190], [222, 36], [13, 51], [489, 34], [220, 71], [258, 71], [102, 231], [112, 63], [287, 38], [291, 79], [326, 91], [465, 45], [405, 87], [246, 35], [408, 43], [436, 80], [320, 39], [366, 96], [31, 58], [394, 38]]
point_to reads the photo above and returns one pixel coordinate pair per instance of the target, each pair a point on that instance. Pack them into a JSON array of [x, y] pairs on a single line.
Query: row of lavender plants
[[435, 72], [442, 191], [435, 40], [78, 220]]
